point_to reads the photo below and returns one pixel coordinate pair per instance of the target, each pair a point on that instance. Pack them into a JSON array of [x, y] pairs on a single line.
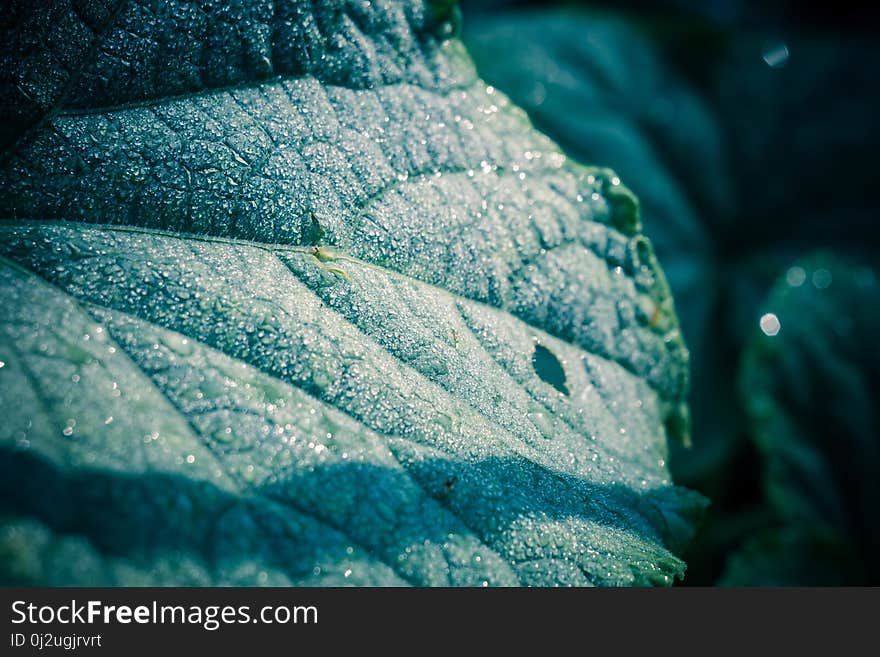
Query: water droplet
[[821, 278], [770, 324], [775, 53], [795, 276], [224, 435]]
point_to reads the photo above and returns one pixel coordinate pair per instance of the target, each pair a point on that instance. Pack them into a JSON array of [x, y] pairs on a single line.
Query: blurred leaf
[[799, 116], [809, 383], [791, 556]]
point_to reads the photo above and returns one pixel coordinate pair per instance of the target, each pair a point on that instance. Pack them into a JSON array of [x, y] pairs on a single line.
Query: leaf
[[789, 556], [596, 84], [299, 346], [809, 387]]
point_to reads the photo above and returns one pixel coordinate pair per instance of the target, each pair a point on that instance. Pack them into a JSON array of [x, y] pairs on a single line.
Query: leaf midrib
[[274, 249]]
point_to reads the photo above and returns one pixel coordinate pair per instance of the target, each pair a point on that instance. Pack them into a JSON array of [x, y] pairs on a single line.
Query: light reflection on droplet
[[821, 278], [538, 94], [775, 53], [795, 276], [770, 324]]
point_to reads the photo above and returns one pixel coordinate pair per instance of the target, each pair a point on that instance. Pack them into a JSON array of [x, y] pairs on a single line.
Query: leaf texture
[[277, 274]]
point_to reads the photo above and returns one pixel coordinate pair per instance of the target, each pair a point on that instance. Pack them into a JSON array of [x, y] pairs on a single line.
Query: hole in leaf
[[548, 367]]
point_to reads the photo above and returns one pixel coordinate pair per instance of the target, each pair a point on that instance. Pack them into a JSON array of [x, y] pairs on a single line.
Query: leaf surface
[[295, 298]]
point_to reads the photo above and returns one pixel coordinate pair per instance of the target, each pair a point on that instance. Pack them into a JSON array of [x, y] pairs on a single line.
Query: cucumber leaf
[[295, 298], [595, 82]]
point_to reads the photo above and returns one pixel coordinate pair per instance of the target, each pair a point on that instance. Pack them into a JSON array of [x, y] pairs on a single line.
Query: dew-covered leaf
[[294, 298], [598, 86]]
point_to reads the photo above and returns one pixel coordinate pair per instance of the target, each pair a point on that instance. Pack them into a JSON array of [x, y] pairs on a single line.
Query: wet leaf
[[596, 84], [275, 276]]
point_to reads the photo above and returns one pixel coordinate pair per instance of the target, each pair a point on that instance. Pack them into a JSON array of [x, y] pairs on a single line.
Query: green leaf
[[790, 556], [345, 317], [597, 85], [809, 386]]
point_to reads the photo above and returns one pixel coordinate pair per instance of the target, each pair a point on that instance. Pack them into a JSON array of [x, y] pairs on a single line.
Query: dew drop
[[795, 276], [770, 324], [775, 54], [821, 278]]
